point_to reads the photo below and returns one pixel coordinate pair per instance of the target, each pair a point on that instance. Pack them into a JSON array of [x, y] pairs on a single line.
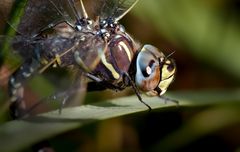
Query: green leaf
[[19, 134], [14, 20]]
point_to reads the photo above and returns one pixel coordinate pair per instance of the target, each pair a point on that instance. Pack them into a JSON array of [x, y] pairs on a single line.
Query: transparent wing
[[91, 50], [18, 46], [65, 86], [113, 8], [83, 51], [51, 92], [40, 14], [10, 55]]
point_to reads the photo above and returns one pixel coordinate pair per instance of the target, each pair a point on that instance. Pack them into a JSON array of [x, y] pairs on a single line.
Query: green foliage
[[206, 29], [14, 19], [18, 134]]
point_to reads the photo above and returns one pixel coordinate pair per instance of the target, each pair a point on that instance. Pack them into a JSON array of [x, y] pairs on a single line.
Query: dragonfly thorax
[[117, 58]]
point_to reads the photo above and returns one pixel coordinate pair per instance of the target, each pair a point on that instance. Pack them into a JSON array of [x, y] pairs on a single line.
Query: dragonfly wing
[[89, 51], [41, 14], [71, 95], [113, 8], [77, 91], [14, 50]]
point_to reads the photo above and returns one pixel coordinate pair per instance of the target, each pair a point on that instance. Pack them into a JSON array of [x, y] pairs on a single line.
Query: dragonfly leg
[[16, 89], [135, 89], [98, 84]]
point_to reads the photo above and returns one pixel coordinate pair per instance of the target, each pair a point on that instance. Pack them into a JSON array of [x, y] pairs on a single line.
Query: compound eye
[[154, 72], [147, 70]]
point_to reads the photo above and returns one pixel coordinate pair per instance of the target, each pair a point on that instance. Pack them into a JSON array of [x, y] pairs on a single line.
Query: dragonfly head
[[154, 71]]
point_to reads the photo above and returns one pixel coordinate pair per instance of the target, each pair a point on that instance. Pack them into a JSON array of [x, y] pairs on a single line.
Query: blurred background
[[205, 38]]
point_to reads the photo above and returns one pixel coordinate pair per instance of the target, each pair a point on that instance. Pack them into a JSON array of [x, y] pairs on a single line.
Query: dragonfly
[[94, 44]]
